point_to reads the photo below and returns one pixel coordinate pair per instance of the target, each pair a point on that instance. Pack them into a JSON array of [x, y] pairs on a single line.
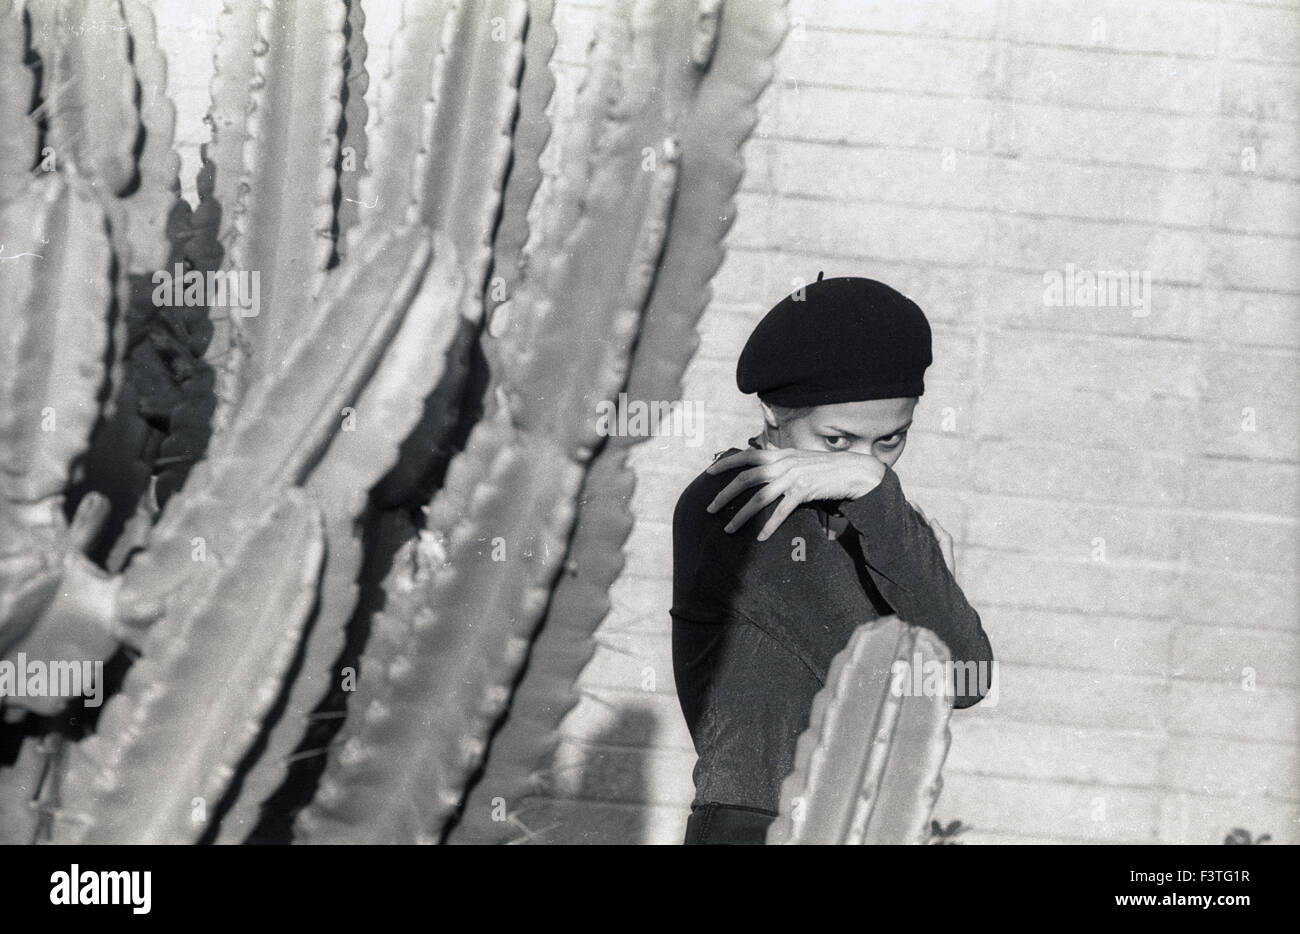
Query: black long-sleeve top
[[756, 624]]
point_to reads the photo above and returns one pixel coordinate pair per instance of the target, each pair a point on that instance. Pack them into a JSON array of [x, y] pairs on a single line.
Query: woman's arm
[[906, 562]]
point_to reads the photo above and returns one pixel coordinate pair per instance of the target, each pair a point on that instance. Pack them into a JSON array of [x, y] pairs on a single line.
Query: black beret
[[846, 339]]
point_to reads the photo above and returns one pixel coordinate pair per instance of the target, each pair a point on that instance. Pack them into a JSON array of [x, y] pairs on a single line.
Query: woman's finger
[[764, 473], [758, 502], [780, 514], [743, 459], [739, 483], [799, 488]]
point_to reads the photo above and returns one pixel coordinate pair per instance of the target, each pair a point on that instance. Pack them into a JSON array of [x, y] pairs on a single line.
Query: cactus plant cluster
[[310, 541], [313, 545]]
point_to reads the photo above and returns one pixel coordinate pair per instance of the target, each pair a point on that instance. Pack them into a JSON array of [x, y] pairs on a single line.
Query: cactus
[[514, 487], [713, 76], [240, 506], [59, 273], [867, 768], [264, 453]]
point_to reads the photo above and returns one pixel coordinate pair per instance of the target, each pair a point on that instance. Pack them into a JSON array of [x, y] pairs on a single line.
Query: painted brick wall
[[1124, 489], [1130, 544]]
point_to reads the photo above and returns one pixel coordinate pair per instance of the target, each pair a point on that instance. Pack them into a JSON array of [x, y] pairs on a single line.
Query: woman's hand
[[794, 477]]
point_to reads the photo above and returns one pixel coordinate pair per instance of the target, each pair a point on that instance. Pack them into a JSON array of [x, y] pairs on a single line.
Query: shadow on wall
[[599, 787]]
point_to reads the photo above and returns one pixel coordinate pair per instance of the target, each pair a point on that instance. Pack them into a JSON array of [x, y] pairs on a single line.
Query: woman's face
[[877, 427]]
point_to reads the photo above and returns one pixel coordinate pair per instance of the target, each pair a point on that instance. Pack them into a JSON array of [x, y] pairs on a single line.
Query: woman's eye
[[891, 441], [836, 442]]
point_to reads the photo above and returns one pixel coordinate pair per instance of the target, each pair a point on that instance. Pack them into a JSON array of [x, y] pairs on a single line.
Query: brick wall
[[1130, 542], [1123, 488]]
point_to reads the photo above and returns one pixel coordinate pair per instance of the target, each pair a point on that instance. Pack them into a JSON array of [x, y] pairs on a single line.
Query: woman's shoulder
[[691, 511]]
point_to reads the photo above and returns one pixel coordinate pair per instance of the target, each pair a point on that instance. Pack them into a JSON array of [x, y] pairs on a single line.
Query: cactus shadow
[[600, 788]]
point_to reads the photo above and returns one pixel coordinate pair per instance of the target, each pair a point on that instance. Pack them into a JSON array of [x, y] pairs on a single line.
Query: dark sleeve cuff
[[892, 533]]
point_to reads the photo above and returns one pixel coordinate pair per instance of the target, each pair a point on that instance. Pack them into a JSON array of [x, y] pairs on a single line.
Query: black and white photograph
[[651, 422]]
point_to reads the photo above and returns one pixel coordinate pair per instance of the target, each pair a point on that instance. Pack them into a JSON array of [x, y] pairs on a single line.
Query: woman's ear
[[769, 417]]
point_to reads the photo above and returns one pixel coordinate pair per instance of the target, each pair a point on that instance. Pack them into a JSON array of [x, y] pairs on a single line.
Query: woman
[[757, 618]]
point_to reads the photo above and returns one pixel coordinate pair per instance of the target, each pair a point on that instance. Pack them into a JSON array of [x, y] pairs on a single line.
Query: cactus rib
[[54, 233], [841, 792], [17, 130], [276, 108], [90, 105], [532, 131], [352, 130]]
